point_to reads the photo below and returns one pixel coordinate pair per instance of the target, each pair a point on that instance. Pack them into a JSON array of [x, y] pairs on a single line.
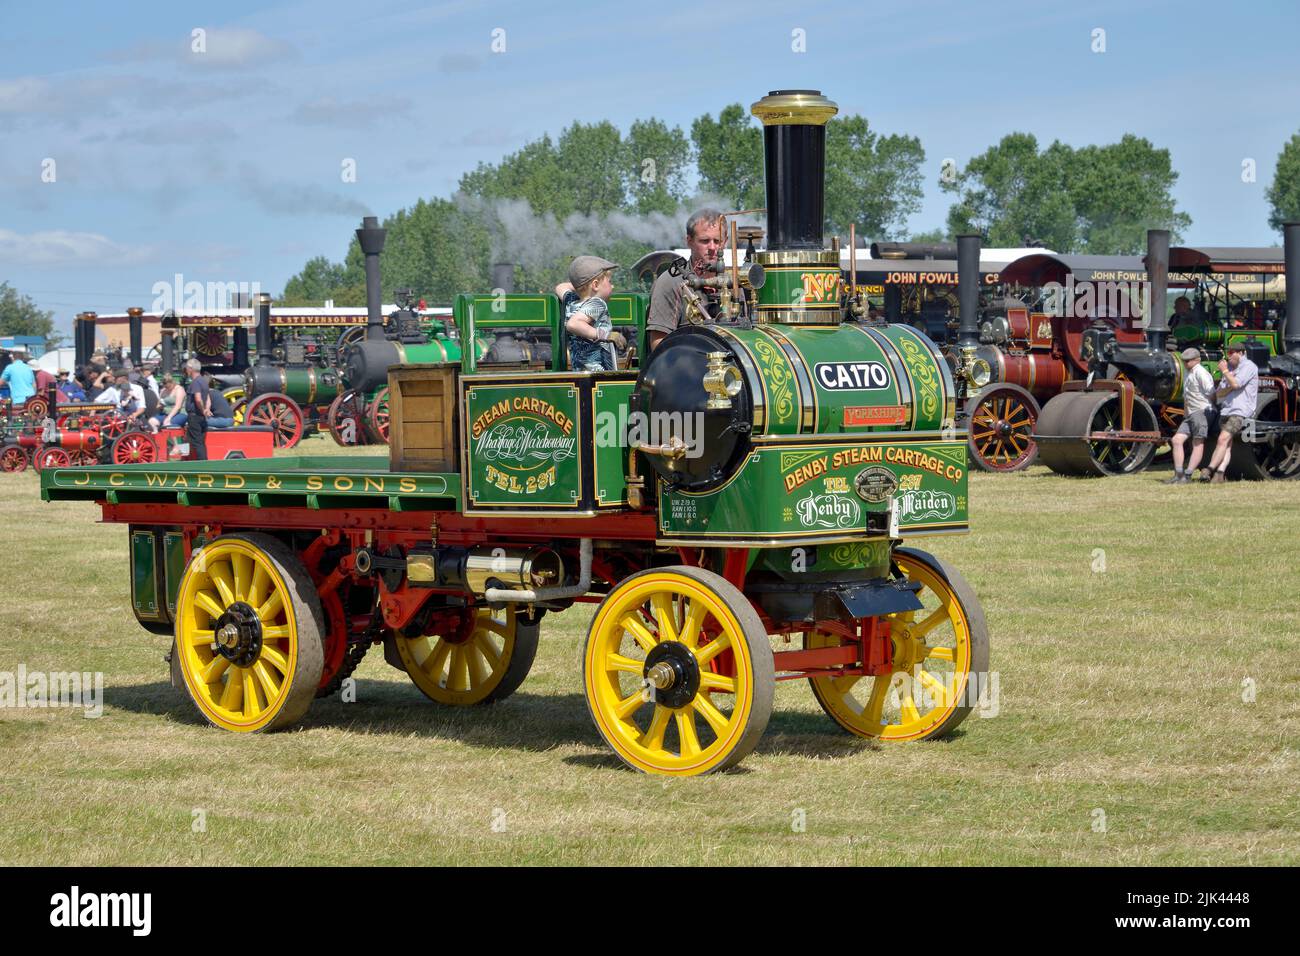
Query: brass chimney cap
[[794, 108]]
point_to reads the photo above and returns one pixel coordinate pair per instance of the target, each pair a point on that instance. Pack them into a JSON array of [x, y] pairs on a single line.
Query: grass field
[[1146, 640]]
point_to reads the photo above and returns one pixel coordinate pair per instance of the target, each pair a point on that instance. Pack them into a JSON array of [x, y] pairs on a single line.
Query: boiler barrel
[[792, 381]]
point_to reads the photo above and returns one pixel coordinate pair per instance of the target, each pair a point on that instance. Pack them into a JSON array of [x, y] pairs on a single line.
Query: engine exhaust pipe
[[804, 277], [503, 277], [1157, 263], [968, 289], [91, 330], [135, 333], [262, 328], [371, 238], [82, 356]]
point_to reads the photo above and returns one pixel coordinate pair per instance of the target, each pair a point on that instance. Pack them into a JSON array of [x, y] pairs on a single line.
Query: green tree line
[[594, 189]]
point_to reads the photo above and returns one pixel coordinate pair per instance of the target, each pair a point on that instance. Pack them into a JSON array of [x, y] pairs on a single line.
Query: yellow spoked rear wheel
[[248, 633], [485, 661], [235, 396], [653, 680], [936, 651]]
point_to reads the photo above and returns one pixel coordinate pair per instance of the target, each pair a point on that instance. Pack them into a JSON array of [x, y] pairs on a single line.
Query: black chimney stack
[[88, 326], [1291, 250], [1157, 262], [503, 277], [167, 349], [135, 330], [262, 330], [794, 157], [371, 238], [81, 356], [968, 289]]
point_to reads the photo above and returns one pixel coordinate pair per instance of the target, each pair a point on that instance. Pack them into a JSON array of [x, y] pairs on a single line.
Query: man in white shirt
[[1198, 400], [1238, 394]]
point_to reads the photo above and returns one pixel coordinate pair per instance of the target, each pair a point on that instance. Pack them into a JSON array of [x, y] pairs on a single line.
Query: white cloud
[[350, 114], [58, 247], [26, 94], [237, 47]]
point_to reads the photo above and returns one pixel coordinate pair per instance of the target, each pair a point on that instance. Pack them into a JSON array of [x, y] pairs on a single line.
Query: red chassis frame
[[867, 650]]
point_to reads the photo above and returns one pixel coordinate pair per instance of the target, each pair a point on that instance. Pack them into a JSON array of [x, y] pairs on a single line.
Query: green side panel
[[627, 310], [258, 482], [807, 561], [173, 567], [144, 576], [855, 377], [1198, 332], [525, 450], [1271, 338], [609, 402], [828, 490], [476, 313], [928, 375], [780, 391], [811, 288]]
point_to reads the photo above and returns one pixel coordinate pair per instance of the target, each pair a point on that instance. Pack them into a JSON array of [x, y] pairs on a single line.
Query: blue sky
[[225, 166]]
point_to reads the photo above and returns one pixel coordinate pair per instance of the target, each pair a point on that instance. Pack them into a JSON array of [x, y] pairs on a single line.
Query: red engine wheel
[[1002, 421], [377, 417], [13, 459], [51, 458], [344, 419], [280, 413], [135, 448], [113, 426]]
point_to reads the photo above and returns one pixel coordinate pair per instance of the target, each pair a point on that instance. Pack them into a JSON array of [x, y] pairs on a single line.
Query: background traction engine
[[1108, 426], [1013, 358]]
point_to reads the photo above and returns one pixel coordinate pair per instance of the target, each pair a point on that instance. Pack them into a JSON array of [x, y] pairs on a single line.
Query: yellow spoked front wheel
[[484, 660], [248, 633], [937, 653], [678, 672]]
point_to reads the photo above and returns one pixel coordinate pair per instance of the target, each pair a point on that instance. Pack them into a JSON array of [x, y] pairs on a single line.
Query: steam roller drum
[[1069, 418], [1262, 461]]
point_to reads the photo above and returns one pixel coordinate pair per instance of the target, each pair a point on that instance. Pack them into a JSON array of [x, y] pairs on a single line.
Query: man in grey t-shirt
[[1198, 403], [667, 301], [1238, 395]]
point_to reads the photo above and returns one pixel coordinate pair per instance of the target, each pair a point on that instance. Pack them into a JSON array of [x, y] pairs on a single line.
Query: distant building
[[34, 344]]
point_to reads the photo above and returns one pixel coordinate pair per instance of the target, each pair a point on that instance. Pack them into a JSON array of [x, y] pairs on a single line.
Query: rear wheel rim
[[465, 668], [134, 448], [281, 415], [13, 459], [930, 677], [377, 415]]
